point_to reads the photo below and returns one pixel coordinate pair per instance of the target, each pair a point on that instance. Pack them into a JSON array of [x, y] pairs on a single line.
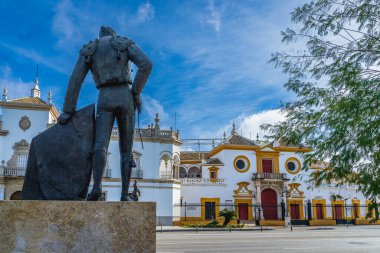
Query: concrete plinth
[[74, 226]]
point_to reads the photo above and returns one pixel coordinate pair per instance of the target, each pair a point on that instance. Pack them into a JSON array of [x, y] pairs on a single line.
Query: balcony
[[270, 176], [201, 181], [12, 171], [167, 175]]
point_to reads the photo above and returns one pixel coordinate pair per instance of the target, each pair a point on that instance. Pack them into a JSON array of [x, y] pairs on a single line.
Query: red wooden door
[[269, 204], [338, 212], [356, 211], [294, 211], [267, 166], [243, 211], [319, 211]]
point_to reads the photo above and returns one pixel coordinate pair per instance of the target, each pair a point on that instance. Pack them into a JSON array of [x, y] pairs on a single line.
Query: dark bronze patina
[[109, 59], [57, 168]]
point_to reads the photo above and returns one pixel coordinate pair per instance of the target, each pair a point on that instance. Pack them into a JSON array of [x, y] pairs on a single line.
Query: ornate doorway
[[269, 204]]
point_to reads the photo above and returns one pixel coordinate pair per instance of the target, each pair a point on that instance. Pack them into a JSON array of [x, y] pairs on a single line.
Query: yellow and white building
[[261, 183]]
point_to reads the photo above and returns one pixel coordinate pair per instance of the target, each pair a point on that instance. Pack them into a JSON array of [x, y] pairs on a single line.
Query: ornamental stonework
[[24, 123]]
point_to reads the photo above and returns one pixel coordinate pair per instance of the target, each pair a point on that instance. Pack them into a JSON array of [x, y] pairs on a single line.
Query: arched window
[[194, 172], [182, 172]]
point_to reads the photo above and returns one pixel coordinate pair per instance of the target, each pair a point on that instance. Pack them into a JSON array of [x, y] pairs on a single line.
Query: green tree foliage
[[337, 82], [228, 216]]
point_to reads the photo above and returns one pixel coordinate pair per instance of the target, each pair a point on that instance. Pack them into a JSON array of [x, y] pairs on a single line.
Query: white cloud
[[247, 125], [145, 13], [250, 125], [16, 87], [213, 17], [153, 106]]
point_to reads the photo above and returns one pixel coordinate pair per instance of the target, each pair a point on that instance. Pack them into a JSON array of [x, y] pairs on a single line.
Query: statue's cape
[[59, 162]]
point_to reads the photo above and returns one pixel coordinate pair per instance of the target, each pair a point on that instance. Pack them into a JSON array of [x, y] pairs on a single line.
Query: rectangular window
[[267, 165], [213, 175], [22, 160]]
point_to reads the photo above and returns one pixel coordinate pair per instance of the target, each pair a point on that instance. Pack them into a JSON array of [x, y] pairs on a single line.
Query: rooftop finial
[[5, 93], [50, 97], [35, 92], [224, 137], [257, 137], [157, 120], [233, 131]]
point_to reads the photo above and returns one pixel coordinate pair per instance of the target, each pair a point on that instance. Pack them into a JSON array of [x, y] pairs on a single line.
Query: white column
[[2, 190]]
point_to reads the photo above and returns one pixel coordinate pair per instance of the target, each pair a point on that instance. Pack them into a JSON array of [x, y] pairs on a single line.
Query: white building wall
[[11, 118]]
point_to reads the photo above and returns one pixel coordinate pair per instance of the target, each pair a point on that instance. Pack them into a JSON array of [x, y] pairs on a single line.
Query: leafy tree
[[335, 197], [228, 216], [337, 82]]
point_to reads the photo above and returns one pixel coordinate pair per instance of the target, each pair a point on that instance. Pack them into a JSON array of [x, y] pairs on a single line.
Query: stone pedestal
[[77, 226]]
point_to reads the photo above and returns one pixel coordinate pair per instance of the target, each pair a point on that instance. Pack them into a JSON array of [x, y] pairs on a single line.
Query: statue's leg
[[103, 130], [126, 125]]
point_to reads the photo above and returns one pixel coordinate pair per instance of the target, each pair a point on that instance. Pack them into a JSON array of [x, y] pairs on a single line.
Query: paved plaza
[[301, 239]]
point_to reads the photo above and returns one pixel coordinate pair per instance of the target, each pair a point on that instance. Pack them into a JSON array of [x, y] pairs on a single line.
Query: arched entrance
[[269, 204], [16, 196]]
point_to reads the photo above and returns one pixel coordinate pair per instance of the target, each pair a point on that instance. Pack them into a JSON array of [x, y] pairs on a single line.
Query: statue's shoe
[[94, 195]]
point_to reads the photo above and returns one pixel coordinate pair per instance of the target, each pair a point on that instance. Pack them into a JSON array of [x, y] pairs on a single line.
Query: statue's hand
[[63, 118], [137, 101]]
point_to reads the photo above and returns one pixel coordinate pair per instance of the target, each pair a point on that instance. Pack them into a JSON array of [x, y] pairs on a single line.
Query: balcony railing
[[167, 175], [151, 133], [269, 176], [196, 180], [12, 171]]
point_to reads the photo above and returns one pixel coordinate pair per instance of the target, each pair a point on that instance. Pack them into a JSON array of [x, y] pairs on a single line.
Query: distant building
[[261, 183]]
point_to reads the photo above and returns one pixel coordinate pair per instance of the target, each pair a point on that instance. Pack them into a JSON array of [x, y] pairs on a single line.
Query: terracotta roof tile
[[193, 155], [240, 140], [29, 100]]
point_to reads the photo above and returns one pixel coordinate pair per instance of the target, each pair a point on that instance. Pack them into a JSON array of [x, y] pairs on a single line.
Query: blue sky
[[210, 57]]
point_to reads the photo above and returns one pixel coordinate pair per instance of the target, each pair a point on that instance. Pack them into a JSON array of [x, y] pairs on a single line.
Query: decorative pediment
[[243, 189], [267, 147], [294, 191], [21, 145]]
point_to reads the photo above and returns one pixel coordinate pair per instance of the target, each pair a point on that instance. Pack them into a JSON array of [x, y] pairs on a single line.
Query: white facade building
[[262, 183]]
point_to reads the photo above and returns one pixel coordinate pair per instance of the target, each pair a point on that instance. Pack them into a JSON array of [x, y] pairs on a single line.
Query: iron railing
[[273, 176], [299, 214]]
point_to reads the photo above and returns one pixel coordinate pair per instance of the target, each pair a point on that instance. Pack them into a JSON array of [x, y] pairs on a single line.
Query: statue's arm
[[80, 71], [144, 65]]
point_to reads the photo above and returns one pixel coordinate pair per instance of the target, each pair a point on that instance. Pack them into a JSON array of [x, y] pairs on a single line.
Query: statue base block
[[77, 226]]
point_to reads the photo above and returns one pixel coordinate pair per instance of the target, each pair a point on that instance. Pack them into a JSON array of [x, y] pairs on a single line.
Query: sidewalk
[[183, 229], [160, 229]]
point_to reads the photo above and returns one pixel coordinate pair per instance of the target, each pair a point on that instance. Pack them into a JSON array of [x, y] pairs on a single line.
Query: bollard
[[230, 228], [291, 228], [261, 228]]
